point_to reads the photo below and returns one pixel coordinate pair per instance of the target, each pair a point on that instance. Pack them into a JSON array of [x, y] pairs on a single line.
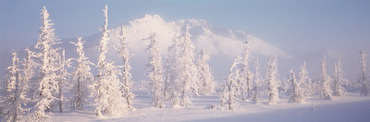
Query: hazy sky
[[285, 23], [293, 25]]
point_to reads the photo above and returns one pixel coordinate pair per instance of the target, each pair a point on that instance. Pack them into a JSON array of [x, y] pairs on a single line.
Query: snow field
[[340, 109]]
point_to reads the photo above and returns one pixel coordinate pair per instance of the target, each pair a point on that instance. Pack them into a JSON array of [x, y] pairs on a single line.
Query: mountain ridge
[[223, 44]]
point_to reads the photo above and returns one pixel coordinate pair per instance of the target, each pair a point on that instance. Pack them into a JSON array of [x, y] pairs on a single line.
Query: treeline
[[44, 80]]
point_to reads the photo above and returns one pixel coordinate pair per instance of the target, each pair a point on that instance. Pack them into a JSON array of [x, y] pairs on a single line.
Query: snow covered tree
[[305, 81], [257, 83], [13, 73], [245, 83], [156, 73], [205, 77], [28, 71], [62, 80], [167, 78], [325, 82], [339, 79], [363, 80], [48, 57], [228, 96], [181, 72], [107, 88], [187, 69], [297, 96], [224, 99], [82, 76], [15, 99], [172, 69], [126, 75], [272, 80]]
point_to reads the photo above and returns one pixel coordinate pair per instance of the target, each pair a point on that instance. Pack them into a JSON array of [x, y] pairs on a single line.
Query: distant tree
[[305, 81], [187, 69], [15, 99], [167, 78], [363, 80], [156, 72], [82, 77], [205, 77], [297, 96], [228, 97], [325, 82], [126, 75], [48, 66], [107, 88], [245, 83], [62, 80], [272, 80], [172, 68], [257, 84], [339, 79], [224, 99], [29, 73]]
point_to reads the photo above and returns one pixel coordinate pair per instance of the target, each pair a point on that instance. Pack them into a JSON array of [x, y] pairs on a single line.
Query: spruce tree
[[305, 81], [228, 97], [15, 99], [48, 65], [364, 81], [245, 83], [29, 72], [325, 82], [205, 77], [62, 80], [272, 80], [107, 87], [297, 96], [126, 75], [339, 79], [187, 70], [172, 69], [82, 77], [156, 73], [257, 84]]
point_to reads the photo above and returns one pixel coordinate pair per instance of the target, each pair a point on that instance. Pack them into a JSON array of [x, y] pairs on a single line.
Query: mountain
[[223, 44], [218, 41]]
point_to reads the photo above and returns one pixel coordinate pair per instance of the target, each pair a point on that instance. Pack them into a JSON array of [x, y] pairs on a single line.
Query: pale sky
[[303, 23], [296, 26]]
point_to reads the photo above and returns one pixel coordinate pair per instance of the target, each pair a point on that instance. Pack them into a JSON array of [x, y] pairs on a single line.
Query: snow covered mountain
[[218, 41], [223, 44]]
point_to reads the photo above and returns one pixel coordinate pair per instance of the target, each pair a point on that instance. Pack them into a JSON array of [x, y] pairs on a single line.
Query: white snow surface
[[340, 109]]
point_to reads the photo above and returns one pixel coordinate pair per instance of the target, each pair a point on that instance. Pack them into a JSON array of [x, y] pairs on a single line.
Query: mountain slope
[[218, 41], [223, 44]]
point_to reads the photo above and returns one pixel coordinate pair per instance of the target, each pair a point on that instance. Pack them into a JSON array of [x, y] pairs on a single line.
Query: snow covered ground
[[342, 109]]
